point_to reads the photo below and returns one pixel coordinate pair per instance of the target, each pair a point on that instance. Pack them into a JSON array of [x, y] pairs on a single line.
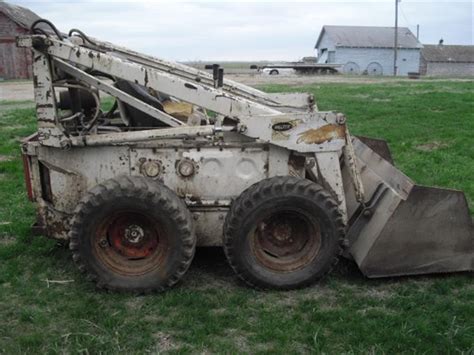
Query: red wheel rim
[[133, 236], [131, 242]]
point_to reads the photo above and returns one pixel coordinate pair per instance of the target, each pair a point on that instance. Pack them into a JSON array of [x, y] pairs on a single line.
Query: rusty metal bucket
[[404, 228]]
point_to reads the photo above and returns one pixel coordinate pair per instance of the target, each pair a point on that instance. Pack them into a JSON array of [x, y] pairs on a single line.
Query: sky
[[247, 31]]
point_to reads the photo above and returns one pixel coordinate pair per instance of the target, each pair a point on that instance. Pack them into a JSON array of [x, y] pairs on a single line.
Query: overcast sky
[[222, 30]]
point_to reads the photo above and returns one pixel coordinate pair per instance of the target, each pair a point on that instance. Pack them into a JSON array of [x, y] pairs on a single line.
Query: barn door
[[331, 57]]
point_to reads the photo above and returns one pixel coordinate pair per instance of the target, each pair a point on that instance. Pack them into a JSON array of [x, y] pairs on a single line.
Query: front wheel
[[283, 233], [132, 234]]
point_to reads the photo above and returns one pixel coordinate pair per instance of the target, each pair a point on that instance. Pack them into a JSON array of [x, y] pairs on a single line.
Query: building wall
[[449, 69], [15, 63], [408, 60], [327, 44]]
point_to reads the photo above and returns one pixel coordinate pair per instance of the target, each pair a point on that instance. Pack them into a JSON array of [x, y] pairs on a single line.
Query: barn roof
[[18, 14], [369, 37], [448, 53]]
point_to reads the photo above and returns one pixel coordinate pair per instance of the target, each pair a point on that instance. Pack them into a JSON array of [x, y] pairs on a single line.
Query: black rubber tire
[[161, 207], [277, 195], [274, 72]]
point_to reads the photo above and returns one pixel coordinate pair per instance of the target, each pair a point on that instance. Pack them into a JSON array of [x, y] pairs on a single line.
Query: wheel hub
[[286, 240], [282, 232], [134, 234]]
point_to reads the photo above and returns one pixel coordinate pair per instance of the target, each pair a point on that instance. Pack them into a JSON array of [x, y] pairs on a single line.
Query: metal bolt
[[134, 233], [103, 243], [65, 144], [186, 168], [151, 168]]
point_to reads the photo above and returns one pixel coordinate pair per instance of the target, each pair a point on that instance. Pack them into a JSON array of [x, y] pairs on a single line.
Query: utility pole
[[395, 46]]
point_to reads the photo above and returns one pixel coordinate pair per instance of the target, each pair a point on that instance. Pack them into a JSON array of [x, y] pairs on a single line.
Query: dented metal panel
[[210, 174], [301, 132]]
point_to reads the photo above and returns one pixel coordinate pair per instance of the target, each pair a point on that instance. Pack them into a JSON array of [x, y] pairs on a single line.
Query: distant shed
[[447, 60], [15, 63], [368, 49]]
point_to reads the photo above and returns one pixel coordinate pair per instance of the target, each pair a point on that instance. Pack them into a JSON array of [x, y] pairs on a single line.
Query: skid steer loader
[[186, 158]]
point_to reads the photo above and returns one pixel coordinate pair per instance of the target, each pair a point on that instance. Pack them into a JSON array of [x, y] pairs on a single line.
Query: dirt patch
[[316, 292], [219, 311], [164, 342], [13, 127], [361, 96], [239, 339], [428, 147], [16, 91], [379, 294], [5, 158], [5, 108], [135, 303], [375, 309], [6, 239]]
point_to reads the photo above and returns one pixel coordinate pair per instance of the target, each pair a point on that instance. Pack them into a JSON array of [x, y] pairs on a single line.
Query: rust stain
[[322, 134]]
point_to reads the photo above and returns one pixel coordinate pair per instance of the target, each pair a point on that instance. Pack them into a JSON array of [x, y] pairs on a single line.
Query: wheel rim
[[131, 242], [286, 241]]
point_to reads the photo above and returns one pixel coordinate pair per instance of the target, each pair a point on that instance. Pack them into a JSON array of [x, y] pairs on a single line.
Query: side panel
[[212, 174], [207, 178]]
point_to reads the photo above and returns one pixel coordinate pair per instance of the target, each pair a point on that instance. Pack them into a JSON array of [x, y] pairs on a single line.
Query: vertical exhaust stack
[[406, 229]]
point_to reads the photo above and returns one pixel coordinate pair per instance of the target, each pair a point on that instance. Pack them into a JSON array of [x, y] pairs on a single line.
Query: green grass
[[430, 128]]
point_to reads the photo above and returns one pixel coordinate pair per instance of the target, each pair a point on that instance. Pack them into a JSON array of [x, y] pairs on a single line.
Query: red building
[[15, 63]]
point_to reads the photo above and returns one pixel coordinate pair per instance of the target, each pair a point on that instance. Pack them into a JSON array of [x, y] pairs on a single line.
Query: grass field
[[430, 128]]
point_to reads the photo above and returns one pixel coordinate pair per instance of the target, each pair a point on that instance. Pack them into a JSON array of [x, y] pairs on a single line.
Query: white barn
[[368, 50]]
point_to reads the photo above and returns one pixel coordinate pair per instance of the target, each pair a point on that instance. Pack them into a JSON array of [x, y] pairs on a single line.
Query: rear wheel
[[283, 233], [274, 72], [132, 234]]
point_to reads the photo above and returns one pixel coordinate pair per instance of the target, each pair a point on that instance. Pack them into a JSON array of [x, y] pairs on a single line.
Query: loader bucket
[[404, 228]]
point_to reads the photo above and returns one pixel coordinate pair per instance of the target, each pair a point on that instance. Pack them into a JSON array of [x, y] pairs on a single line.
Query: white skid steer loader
[[185, 158]]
